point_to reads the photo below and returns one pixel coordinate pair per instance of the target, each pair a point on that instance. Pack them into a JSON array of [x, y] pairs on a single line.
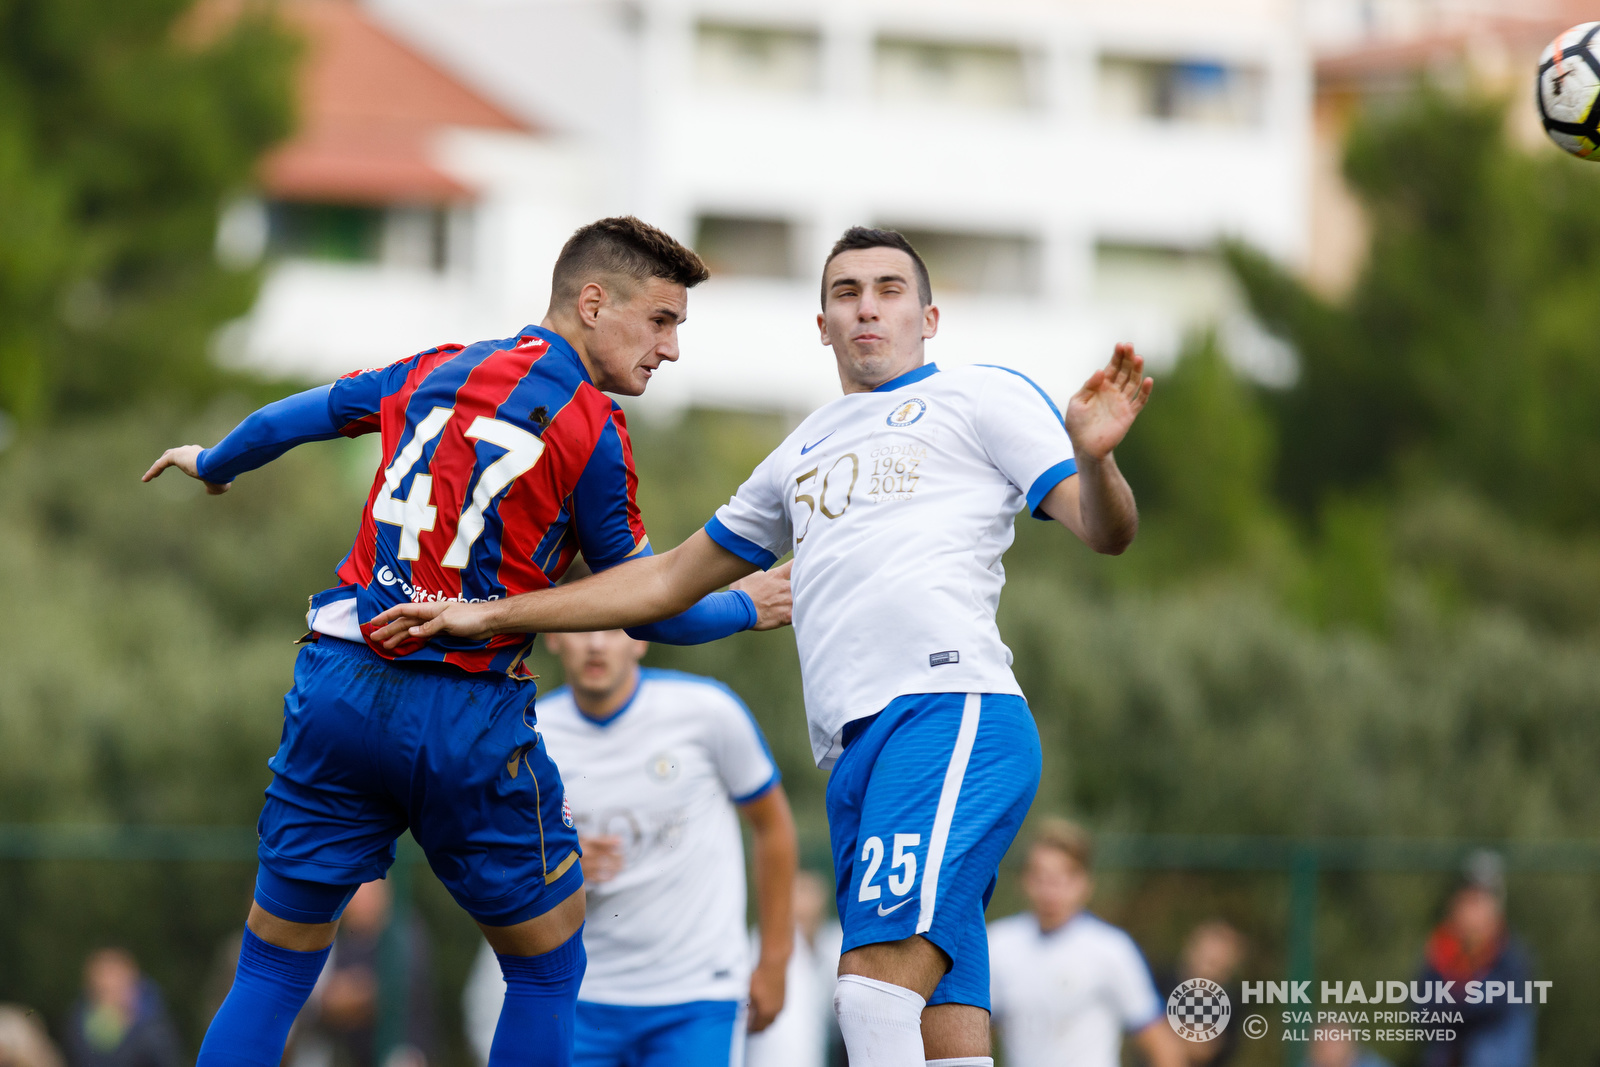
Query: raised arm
[[630, 594], [258, 440], [1098, 504]]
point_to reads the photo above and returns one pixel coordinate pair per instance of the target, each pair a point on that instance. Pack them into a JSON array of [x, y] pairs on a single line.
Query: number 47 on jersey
[[416, 514]]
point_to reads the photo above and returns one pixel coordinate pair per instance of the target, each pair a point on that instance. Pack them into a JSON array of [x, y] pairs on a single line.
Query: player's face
[[1056, 885], [597, 665], [873, 317], [635, 330]]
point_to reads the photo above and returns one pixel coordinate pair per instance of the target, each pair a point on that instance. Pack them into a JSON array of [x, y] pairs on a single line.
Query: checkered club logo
[[1198, 1010]]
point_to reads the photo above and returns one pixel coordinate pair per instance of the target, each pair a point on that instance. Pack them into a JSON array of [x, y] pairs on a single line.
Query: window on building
[[412, 237], [993, 263], [935, 72], [748, 247], [763, 59], [341, 232], [1208, 93], [1193, 283]]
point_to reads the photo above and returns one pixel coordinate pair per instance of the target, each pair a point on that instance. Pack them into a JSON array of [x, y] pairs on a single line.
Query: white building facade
[[1066, 168]]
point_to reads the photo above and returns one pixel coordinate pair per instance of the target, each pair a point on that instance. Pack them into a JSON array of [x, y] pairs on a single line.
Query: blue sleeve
[[713, 618], [268, 434]]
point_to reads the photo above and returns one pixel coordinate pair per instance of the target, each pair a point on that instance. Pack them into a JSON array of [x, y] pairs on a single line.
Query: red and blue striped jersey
[[501, 461]]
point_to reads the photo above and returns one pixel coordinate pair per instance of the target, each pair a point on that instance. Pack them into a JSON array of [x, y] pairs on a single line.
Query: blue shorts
[[702, 1033], [922, 805], [371, 749]]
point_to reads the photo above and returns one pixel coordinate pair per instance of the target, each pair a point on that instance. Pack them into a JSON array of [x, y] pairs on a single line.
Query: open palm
[[1099, 414]]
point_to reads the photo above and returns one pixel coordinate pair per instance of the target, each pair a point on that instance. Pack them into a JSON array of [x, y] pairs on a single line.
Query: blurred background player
[[346, 999], [24, 1042], [658, 767], [804, 1034], [1474, 943], [121, 1020], [501, 461], [1066, 985], [1214, 950], [898, 501]]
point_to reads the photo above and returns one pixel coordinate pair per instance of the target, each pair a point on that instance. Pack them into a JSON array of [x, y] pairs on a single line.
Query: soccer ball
[[1569, 82]]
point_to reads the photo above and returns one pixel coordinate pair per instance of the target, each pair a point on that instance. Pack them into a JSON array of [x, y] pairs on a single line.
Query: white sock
[[881, 1023], [964, 1061]]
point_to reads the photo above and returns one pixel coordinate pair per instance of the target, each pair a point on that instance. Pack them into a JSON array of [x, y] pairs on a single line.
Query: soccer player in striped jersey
[[501, 461], [897, 500]]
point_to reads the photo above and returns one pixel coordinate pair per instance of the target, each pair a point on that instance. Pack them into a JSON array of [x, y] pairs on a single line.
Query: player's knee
[[955, 1031], [913, 963], [540, 934], [558, 970]]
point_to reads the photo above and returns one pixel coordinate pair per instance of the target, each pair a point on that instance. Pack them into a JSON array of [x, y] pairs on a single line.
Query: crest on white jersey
[[663, 766], [907, 412]]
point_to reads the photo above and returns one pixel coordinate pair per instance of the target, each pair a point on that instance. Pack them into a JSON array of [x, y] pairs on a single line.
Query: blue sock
[[269, 989], [536, 1021]]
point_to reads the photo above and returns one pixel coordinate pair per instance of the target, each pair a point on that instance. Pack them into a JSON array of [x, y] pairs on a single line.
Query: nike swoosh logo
[[884, 911], [807, 448]]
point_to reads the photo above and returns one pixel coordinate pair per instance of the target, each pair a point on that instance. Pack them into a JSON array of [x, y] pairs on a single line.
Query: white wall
[[632, 130]]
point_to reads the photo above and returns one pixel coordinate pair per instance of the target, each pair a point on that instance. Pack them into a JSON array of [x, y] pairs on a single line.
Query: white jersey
[[1065, 998], [663, 773], [898, 505]]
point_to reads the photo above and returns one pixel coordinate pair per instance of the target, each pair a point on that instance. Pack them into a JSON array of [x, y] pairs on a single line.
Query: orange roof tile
[[369, 109]]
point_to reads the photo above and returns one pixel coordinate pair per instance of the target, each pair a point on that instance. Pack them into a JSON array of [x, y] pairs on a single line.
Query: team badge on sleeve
[[566, 812]]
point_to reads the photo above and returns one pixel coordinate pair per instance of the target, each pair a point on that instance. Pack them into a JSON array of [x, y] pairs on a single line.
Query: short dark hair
[[622, 245], [857, 237], [1067, 838]]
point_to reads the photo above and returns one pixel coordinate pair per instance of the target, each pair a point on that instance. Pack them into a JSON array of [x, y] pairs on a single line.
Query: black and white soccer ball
[[1569, 82]]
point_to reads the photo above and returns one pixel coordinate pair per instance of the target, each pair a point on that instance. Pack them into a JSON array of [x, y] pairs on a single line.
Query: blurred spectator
[[1213, 950], [1334, 1049], [1473, 943], [121, 1020], [1066, 985], [803, 1032], [23, 1041], [347, 1009]]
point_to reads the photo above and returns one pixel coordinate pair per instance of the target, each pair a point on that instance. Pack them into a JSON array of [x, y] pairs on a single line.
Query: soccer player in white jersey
[[897, 500], [1065, 985], [658, 767]]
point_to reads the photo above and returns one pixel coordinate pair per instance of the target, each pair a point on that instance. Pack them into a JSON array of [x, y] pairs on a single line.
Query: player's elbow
[[1116, 541], [1113, 548]]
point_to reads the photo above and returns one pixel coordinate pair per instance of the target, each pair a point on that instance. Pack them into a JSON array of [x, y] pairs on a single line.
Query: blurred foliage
[[122, 127], [1361, 605], [1465, 352]]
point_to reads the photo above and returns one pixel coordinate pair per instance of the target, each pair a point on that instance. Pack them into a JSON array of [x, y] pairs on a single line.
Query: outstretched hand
[[413, 624], [774, 599], [186, 458], [1099, 414]]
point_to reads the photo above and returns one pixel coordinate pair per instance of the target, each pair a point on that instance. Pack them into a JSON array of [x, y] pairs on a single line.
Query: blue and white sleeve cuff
[[742, 547], [1047, 481], [760, 791]]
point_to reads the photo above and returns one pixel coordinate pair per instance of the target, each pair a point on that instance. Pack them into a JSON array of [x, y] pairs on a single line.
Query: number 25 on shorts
[[899, 881]]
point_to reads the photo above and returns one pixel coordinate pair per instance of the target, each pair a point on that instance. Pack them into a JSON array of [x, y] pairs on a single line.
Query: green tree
[[1467, 347], [122, 127]]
